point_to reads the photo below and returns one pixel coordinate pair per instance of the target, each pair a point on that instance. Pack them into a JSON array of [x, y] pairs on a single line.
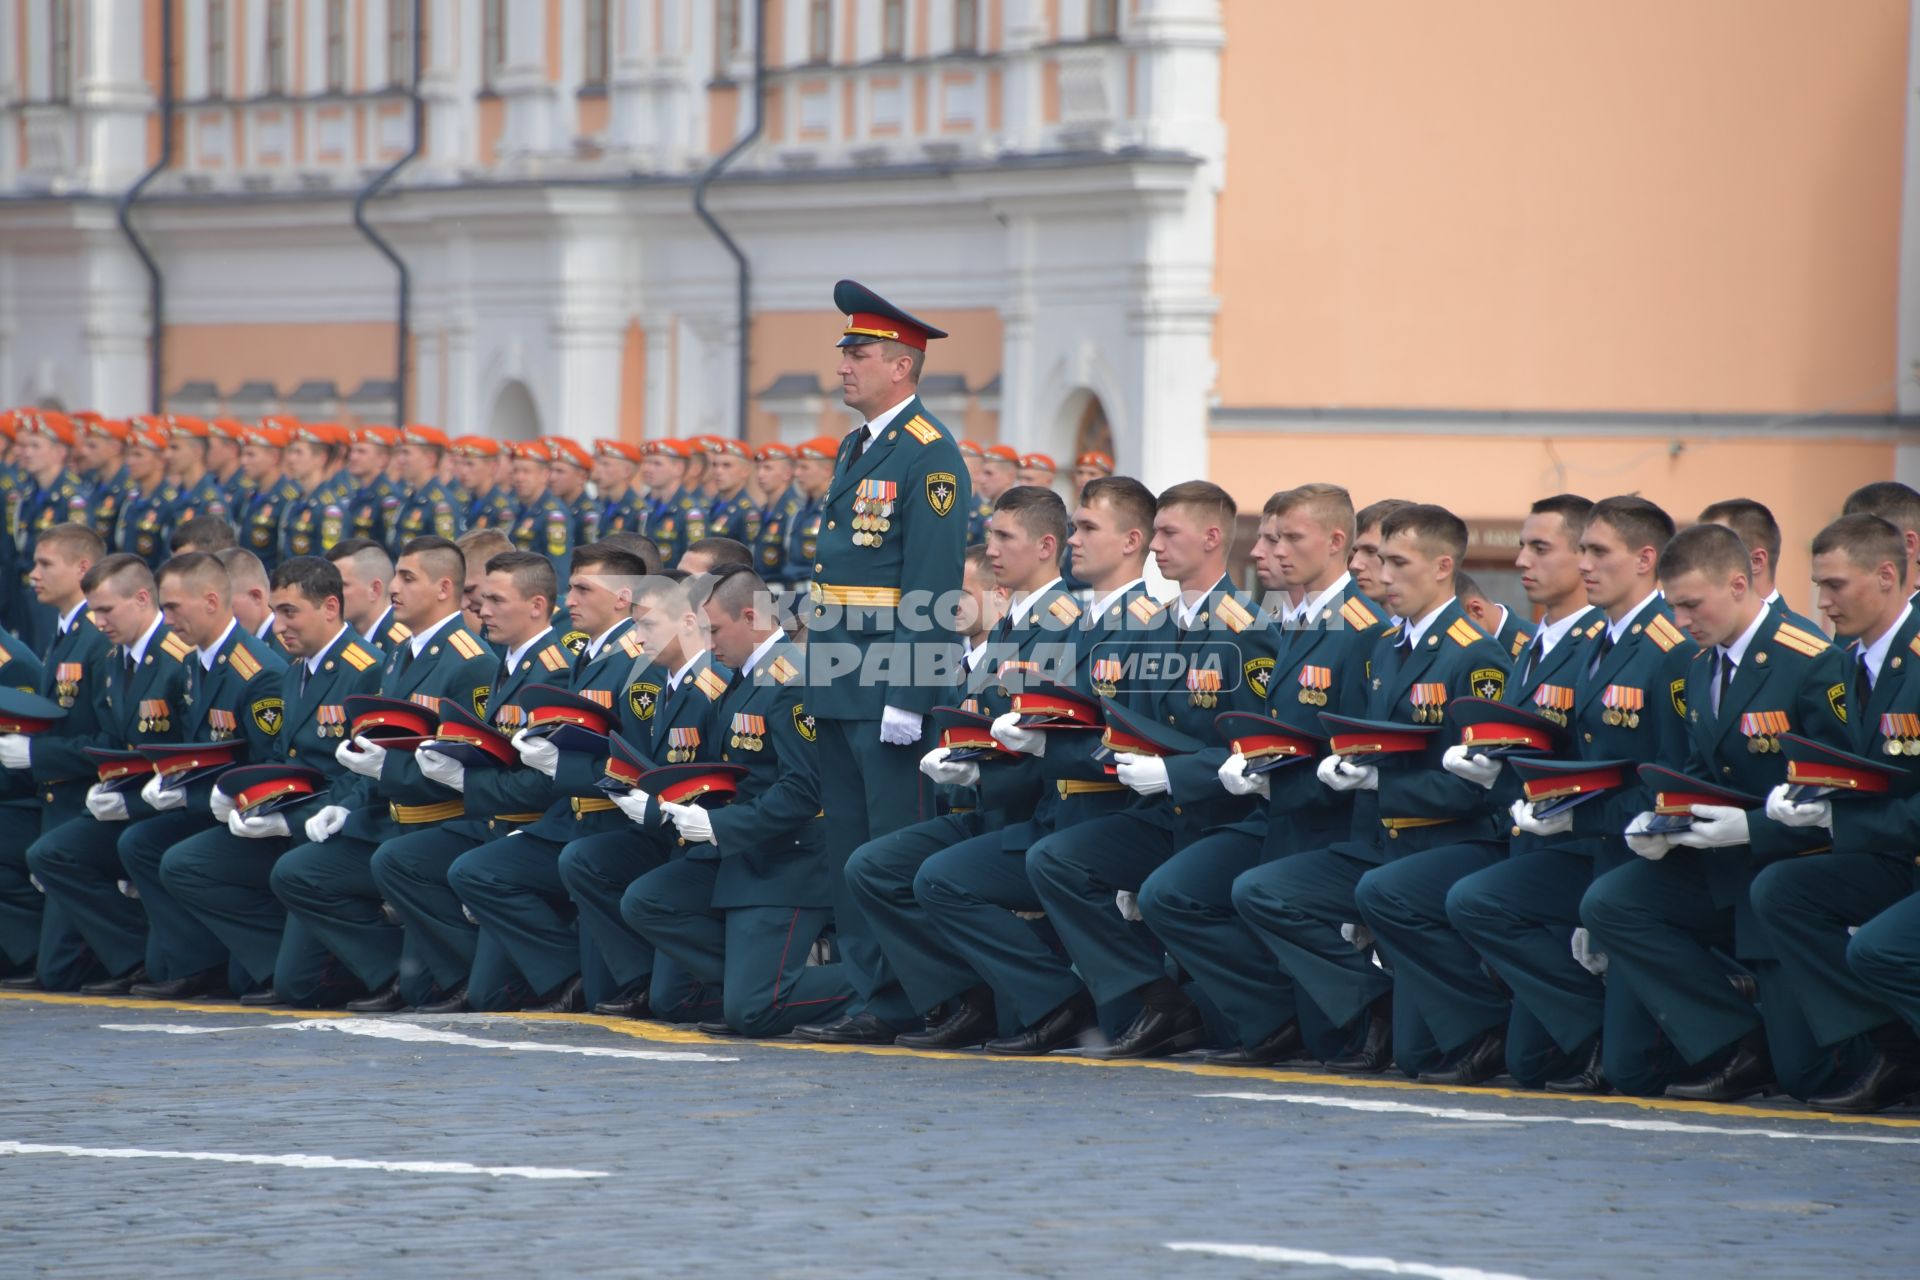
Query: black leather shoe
[[387, 1000], [569, 997], [1480, 1062], [971, 1023], [454, 1001], [1061, 1029], [1591, 1078], [716, 1029], [206, 982], [119, 986], [1375, 1053], [1284, 1045], [1157, 1034], [22, 982], [264, 998], [855, 1028], [1886, 1082], [1747, 1072], [631, 1004]]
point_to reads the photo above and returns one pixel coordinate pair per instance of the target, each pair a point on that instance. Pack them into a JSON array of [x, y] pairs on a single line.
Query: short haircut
[[312, 577], [1376, 513], [1570, 507], [1752, 521], [733, 587], [244, 568], [201, 571], [129, 575], [367, 555], [1129, 500], [204, 533], [1896, 503], [482, 545], [976, 560], [1639, 523], [720, 551], [637, 544], [1868, 540], [439, 557], [1039, 511], [1467, 587], [75, 542], [894, 350], [1438, 531], [532, 573], [1208, 499], [1708, 548], [605, 559], [1329, 504]]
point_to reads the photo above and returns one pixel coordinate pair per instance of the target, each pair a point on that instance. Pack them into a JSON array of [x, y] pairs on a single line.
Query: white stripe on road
[[297, 1161], [1314, 1258], [413, 1033], [1606, 1122]]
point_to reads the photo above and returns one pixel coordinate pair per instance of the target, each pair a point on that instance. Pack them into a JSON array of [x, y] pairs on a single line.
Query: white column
[[110, 95], [1026, 30], [112, 375], [629, 122], [523, 84], [11, 90], [448, 81]]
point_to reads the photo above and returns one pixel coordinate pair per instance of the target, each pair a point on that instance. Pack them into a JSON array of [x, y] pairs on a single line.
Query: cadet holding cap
[[425, 507]]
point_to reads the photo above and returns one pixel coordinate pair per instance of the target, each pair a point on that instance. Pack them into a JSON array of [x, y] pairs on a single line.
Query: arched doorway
[[514, 415], [1081, 426]]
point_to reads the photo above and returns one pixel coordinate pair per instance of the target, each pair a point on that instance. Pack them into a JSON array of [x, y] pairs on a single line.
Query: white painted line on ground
[[298, 1161], [1605, 1122], [413, 1033], [1314, 1258]]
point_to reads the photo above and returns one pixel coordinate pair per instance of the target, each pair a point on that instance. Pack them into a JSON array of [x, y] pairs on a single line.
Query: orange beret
[[417, 433], [533, 450], [569, 451], [146, 432], [1037, 462], [325, 434], [818, 447], [667, 446], [10, 423], [1096, 459], [606, 448], [182, 425], [724, 444], [476, 447], [773, 450], [272, 435], [227, 427], [48, 422], [972, 449], [1004, 453], [110, 427], [385, 437]]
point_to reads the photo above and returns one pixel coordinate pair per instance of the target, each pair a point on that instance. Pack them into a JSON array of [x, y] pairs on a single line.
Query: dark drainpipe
[[402, 323], [743, 270], [123, 213]]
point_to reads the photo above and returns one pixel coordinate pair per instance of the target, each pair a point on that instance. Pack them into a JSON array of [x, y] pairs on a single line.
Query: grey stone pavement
[[789, 1162]]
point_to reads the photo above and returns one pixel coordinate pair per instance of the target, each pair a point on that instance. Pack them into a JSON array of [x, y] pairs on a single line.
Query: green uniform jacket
[[147, 704], [316, 722], [1875, 824], [242, 697], [425, 509], [260, 520], [776, 519], [1228, 631], [499, 800], [18, 667], [60, 770]]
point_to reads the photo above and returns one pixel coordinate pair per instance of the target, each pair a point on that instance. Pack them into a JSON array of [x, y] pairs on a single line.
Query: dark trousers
[[880, 878], [1437, 975], [178, 944], [223, 880], [1808, 905], [867, 789], [78, 864], [1885, 956]]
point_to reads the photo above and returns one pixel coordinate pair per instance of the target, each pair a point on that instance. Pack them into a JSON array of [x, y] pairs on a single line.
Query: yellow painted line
[[665, 1033]]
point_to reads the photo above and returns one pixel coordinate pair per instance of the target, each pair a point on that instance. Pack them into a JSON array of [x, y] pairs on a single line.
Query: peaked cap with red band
[[871, 318]]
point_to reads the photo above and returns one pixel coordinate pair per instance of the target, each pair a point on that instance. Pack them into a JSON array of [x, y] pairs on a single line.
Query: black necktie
[[859, 435], [1722, 680], [1862, 682], [1601, 650], [1533, 657], [306, 673]]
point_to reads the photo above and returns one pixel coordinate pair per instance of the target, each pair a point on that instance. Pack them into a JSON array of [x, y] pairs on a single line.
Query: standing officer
[[615, 464], [1090, 466], [773, 476], [102, 447], [895, 534], [226, 447], [541, 522], [369, 493], [315, 520], [201, 494], [731, 512], [140, 526], [675, 517], [426, 507], [981, 511], [220, 875], [51, 493], [812, 474], [269, 493], [233, 694], [567, 480], [1665, 920], [476, 462]]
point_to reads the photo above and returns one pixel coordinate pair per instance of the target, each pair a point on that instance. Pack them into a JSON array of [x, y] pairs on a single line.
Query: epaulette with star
[[922, 430], [1464, 633], [1357, 614], [1806, 643], [553, 658], [1663, 633]]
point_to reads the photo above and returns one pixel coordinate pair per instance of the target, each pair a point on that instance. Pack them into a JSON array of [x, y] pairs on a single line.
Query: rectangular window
[[60, 50], [399, 43], [893, 28], [820, 30], [216, 48], [1103, 19], [493, 40], [336, 46], [593, 69], [277, 46], [966, 26], [726, 36]]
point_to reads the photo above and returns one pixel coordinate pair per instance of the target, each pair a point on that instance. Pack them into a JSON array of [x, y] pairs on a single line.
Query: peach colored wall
[[493, 122], [1637, 205], [283, 354], [633, 384], [723, 108], [593, 112], [1803, 480]]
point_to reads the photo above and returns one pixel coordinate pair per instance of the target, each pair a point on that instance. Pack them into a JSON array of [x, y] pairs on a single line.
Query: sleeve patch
[[804, 723], [1677, 694], [1259, 672], [1837, 700], [268, 713], [1489, 683]]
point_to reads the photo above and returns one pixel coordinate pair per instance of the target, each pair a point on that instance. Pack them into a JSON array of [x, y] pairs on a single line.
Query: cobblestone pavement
[[526, 1146]]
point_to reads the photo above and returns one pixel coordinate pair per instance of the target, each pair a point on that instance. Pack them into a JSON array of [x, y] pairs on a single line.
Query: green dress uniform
[[18, 665], [1809, 905], [624, 512], [545, 525], [1188, 901], [803, 540], [742, 913], [1513, 634], [1627, 699], [491, 510], [205, 497], [222, 878], [239, 699], [770, 546], [1298, 904], [329, 884], [1660, 922], [979, 514], [894, 530], [585, 513], [57, 777], [675, 522], [411, 870], [387, 634], [425, 509], [737, 517], [66, 500], [370, 506], [261, 519], [110, 495], [141, 528], [673, 724], [136, 703]]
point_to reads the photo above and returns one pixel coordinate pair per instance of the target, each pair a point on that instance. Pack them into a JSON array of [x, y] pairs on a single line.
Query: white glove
[[1342, 776], [444, 770], [537, 753], [362, 755], [264, 827], [220, 805], [1238, 782], [1129, 904], [15, 751], [326, 824], [1594, 962], [1358, 935], [899, 728], [107, 806], [1651, 845], [1028, 742], [1147, 775], [964, 773], [1523, 818], [1715, 826], [695, 823], [1789, 813], [634, 805], [163, 798], [1474, 766]]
